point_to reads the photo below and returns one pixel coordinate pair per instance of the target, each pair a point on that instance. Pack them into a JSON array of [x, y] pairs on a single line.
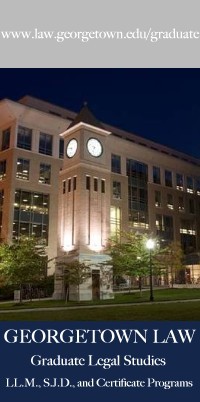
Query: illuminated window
[[24, 138], [115, 221], [22, 171], [45, 144], [2, 170], [179, 181], [31, 215], [45, 173], [6, 139]]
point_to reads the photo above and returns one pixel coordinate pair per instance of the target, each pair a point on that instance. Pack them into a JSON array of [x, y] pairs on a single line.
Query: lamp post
[[150, 246]]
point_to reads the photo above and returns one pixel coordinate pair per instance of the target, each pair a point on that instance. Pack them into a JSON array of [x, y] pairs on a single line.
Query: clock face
[[94, 147], [71, 148]]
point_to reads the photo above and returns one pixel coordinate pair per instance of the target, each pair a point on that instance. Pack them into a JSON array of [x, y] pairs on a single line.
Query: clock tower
[[84, 206]]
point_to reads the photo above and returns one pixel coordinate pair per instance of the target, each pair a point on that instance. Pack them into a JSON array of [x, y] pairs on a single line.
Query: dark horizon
[[162, 105]]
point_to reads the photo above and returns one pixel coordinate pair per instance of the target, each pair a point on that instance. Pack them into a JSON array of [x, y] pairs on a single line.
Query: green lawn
[[187, 311], [134, 297], [172, 311]]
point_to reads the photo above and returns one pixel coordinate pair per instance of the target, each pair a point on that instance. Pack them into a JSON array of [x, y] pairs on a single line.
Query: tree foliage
[[23, 262], [73, 271], [131, 257]]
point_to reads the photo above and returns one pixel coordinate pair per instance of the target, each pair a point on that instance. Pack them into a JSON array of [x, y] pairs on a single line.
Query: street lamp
[[150, 246]]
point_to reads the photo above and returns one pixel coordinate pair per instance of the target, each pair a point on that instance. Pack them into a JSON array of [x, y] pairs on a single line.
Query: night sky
[[159, 104]]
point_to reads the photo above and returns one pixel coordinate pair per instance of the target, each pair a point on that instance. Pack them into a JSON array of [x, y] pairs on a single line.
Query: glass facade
[[24, 138], [22, 171], [31, 215], [137, 173], [45, 144]]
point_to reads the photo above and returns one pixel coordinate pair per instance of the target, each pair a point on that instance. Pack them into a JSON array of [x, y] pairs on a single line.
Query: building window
[[64, 186], [74, 183], [103, 186], [45, 144], [190, 185], [198, 186], [179, 181], [24, 138], [6, 139], [157, 198], [87, 182], [2, 170], [69, 185], [156, 175], [191, 206], [164, 226], [115, 163], [45, 173], [116, 190], [170, 203], [95, 184], [168, 178], [115, 221], [31, 215], [181, 206], [22, 171], [61, 148], [137, 173], [188, 235]]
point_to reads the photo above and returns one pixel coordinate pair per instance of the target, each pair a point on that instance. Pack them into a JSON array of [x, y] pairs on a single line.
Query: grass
[[120, 298], [187, 311], [174, 311]]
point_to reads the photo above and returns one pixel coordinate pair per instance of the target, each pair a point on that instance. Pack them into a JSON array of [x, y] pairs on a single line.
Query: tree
[[131, 257], [23, 262], [173, 257], [74, 273]]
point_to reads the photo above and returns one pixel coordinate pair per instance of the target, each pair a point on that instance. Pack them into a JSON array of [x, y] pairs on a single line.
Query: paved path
[[29, 310]]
